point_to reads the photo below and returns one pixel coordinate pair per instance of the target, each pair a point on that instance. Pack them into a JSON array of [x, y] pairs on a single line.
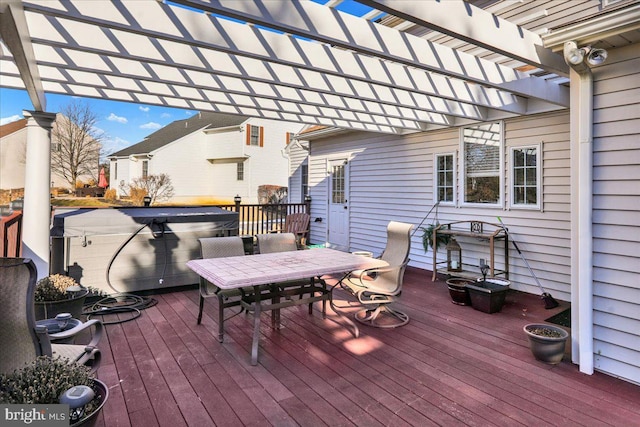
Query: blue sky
[[124, 123]]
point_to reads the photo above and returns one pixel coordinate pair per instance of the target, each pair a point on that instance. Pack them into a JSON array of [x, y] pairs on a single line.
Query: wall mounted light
[[573, 55]]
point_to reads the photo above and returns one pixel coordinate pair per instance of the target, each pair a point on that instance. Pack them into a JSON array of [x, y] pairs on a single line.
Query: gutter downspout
[[582, 216]]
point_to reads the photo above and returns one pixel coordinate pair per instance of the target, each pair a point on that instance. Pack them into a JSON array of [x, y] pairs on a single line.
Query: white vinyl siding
[[298, 161], [616, 214], [392, 178]]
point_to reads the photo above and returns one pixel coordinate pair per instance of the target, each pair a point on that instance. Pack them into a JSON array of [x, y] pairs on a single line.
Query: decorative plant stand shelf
[[480, 231]]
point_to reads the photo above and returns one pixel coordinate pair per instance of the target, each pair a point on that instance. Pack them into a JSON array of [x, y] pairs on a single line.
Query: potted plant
[[547, 342], [458, 290], [45, 381], [427, 237], [59, 294]]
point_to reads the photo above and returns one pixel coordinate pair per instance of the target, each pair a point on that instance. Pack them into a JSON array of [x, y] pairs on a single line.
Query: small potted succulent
[[547, 342], [49, 381], [59, 294]]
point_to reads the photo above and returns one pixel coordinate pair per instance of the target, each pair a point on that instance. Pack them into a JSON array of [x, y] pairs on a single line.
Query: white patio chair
[[377, 288], [218, 247], [283, 242]]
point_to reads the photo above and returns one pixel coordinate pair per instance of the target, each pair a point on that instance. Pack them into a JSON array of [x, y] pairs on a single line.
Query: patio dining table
[[273, 268]]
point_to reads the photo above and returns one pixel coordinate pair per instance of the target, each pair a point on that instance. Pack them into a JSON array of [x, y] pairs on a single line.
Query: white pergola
[[403, 66], [400, 66]]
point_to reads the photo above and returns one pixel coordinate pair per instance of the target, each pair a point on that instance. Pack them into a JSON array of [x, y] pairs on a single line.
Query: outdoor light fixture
[[237, 199], [77, 397], [146, 200], [575, 56]]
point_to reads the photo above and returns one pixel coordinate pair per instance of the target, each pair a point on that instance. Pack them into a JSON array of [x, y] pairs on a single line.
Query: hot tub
[[139, 248]]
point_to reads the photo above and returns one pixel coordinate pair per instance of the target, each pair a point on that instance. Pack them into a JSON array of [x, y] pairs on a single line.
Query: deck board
[[451, 365]]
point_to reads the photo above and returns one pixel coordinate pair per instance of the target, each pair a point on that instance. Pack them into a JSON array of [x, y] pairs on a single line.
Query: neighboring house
[[210, 156], [571, 203], [13, 146]]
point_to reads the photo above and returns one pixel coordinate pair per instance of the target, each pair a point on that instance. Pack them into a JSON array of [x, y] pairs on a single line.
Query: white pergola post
[[37, 204]]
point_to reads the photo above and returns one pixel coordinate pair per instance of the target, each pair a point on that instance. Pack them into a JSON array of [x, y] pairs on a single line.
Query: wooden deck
[[451, 365]]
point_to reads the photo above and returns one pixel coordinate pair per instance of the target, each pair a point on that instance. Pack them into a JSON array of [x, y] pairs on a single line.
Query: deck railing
[[11, 234], [263, 218]]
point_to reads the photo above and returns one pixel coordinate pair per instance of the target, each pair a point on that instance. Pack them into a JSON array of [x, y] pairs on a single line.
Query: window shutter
[[261, 136], [288, 138], [248, 134]]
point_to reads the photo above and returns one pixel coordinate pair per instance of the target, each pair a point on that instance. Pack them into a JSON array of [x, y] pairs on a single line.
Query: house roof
[[179, 129], [12, 127]]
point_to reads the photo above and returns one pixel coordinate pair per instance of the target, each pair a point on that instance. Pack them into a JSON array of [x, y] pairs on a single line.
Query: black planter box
[[488, 296]]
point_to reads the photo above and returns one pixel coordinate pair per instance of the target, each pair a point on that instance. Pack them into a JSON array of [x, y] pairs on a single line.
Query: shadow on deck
[[451, 365]]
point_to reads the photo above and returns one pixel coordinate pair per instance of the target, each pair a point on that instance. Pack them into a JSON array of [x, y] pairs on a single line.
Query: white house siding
[[391, 178], [185, 163], [298, 156], [196, 179], [121, 176], [12, 164], [268, 165], [616, 214]]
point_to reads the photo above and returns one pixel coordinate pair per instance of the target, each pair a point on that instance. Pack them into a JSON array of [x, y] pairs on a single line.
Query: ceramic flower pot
[[547, 342], [49, 309]]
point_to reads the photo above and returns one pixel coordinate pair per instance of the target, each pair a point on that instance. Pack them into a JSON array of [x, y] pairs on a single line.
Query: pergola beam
[[363, 97], [181, 96], [471, 24], [317, 22], [15, 34]]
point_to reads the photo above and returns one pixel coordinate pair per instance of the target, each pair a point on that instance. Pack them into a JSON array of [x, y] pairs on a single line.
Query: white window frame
[[436, 181], [240, 171], [501, 171], [512, 172], [254, 135]]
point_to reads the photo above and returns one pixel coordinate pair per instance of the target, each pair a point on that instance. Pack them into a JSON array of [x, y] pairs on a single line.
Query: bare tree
[[76, 143], [158, 187]]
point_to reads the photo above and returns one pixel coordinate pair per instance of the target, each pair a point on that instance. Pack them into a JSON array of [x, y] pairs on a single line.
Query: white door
[[338, 227]]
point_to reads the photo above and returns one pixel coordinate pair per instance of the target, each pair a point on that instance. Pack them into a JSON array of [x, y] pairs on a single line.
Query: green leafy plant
[[427, 237], [44, 381], [54, 288]]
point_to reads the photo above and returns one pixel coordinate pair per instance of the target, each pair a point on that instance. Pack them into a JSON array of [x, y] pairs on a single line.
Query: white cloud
[[10, 119], [111, 145], [151, 125], [145, 109], [165, 115], [113, 118]]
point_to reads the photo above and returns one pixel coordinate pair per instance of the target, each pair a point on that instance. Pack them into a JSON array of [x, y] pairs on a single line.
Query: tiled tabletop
[[249, 270]]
